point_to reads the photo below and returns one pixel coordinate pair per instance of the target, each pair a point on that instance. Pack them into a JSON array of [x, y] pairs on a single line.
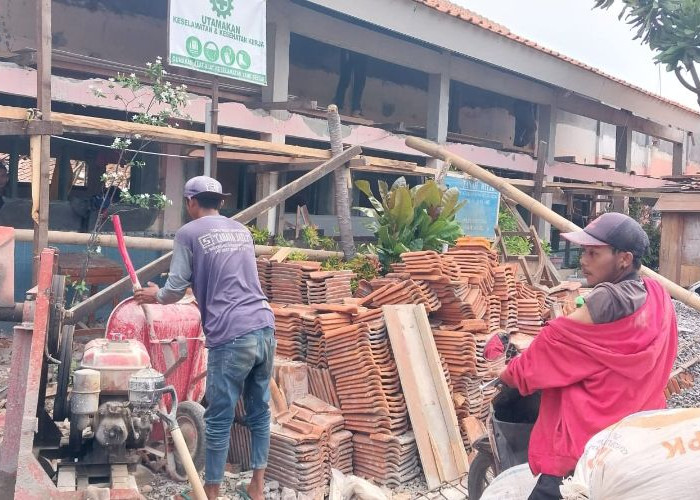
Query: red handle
[[117, 223]]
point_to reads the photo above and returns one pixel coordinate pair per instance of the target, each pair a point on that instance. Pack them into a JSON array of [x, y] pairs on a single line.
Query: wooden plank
[[427, 395], [678, 202], [32, 127], [296, 185], [670, 251], [282, 254]]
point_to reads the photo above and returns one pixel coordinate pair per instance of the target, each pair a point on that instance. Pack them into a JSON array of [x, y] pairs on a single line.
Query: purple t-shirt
[[225, 278]]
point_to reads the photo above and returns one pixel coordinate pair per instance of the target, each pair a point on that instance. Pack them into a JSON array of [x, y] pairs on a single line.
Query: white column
[[546, 131], [438, 108], [277, 90]]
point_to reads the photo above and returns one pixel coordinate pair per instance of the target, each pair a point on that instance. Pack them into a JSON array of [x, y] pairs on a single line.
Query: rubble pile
[[683, 390]]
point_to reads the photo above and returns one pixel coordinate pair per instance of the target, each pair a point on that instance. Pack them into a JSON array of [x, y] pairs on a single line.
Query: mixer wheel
[[190, 418], [61, 405]]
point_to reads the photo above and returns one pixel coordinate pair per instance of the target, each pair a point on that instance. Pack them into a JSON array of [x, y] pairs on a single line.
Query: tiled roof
[[471, 17]]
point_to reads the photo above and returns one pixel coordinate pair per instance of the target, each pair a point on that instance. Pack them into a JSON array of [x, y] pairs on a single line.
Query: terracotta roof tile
[[471, 17]]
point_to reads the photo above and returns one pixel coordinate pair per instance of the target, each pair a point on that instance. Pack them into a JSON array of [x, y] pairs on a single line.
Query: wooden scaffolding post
[[41, 143]]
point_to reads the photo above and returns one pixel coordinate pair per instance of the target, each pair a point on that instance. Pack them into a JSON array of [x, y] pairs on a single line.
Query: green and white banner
[[221, 37]]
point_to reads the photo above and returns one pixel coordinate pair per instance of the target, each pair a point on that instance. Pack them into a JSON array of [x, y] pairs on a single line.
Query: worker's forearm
[[178, 277]]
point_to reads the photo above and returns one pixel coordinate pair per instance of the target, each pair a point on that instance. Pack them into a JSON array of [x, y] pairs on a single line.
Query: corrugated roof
[[471, 17]]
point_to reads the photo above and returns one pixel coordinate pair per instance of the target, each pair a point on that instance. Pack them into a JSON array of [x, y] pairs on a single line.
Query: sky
[[595, 37]]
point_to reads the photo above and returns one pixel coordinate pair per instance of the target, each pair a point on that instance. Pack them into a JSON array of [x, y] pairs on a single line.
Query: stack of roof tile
[[509, 315], [484, 367], [290, 332], [288, 281], [322, 385], [367, 380], [431, 266], [459, 302], [529, 316], [386, 459], [329, 287], [240, 444], [458, 350], [317, 327], [265, 276], [476, 265], [298, 455], [403, 292], [504, 285], [494, 313]]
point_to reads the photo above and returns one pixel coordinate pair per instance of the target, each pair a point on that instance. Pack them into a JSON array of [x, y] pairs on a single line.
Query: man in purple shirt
[[216, 256]]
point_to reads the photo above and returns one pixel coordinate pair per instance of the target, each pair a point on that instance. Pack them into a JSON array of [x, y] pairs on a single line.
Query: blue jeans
[[242, 366]]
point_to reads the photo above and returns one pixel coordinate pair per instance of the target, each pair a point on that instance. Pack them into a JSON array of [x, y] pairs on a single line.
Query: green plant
[[365, 267], [261, 236], [515, 245], [671, 28], [310, 236], [546, 247], [405, 220], [281, 241], [297, 255], [328, 243], [641, 212]]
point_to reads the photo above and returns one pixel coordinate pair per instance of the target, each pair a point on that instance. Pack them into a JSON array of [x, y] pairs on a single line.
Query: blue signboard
[[479, 215]]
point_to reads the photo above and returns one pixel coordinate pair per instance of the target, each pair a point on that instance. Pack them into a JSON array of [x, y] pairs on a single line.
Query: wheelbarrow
[[173, 337]]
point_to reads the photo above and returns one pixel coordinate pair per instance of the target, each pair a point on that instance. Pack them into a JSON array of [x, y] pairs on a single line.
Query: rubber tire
[[61, 405], [192, 413], [477, 474]]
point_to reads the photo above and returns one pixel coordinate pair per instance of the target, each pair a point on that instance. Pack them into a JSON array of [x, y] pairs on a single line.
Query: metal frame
[[20, 471]]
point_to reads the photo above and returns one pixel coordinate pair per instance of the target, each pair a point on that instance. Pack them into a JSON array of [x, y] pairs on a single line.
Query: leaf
[[363, 186], [383, 190], [367, 212], [450, 199], [402, 212], [429, 193], [400, 182]]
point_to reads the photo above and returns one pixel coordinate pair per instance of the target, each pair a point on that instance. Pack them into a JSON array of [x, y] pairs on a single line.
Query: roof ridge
[[447, 7]]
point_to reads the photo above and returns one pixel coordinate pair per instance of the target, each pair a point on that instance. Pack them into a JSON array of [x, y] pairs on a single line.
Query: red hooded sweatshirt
[[591, 376]]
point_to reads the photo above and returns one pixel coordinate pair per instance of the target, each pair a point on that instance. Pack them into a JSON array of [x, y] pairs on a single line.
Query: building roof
[[475, 19]]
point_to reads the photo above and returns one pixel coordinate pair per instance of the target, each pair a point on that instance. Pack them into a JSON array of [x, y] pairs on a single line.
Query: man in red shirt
[[609, 359]]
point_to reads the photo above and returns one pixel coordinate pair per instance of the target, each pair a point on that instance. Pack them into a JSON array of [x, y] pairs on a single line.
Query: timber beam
[[30, 127]]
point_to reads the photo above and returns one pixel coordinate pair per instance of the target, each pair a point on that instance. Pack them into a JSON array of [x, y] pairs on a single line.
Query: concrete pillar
[[173, 182], [438, 109], [546, 131], [277, 90], [623, 163], [678, 159]]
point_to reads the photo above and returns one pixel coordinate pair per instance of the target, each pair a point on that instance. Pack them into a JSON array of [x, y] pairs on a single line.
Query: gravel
[[688, 347]]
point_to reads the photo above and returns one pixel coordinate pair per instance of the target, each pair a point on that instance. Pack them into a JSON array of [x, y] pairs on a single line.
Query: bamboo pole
[[677, 292], [145, 243]]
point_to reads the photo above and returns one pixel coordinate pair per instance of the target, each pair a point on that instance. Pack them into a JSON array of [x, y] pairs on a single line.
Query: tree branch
[[683, 81]]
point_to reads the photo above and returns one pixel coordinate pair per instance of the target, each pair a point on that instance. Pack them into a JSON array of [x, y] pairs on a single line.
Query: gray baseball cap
[[203, 184], [614, 229]]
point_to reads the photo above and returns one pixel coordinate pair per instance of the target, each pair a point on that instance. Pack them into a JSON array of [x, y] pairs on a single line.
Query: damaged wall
[[591, 142], [392, 93], [127, 31]]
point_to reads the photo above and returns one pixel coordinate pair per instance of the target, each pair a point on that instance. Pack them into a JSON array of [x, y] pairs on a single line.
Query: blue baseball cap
[[203, 185]]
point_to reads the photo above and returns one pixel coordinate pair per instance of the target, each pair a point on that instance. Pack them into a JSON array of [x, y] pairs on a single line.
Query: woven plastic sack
[[646, 456], [515, 483]]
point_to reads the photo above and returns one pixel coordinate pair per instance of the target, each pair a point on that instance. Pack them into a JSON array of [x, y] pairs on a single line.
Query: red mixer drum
[[174, 341]]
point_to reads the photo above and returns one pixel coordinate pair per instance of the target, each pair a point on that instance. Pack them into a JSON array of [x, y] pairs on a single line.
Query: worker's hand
[[147, 295]]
